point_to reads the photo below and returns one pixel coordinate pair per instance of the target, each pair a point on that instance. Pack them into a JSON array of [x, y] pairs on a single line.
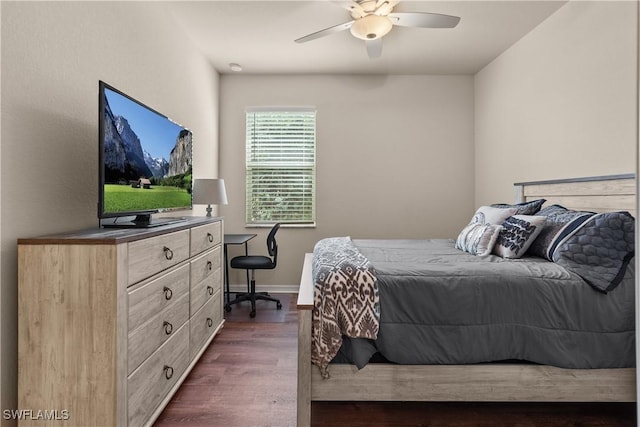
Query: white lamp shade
[[371, 27], [209, 192]]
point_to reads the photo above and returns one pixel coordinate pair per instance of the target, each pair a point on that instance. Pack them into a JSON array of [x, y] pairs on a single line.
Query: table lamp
[[209, 192]]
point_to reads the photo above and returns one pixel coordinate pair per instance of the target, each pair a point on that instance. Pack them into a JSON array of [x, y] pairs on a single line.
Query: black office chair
[[257, 262]]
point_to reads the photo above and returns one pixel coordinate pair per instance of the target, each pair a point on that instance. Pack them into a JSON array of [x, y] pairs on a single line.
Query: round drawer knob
[[209, 322], [168, 253], [209, 265], [168, 293], [168, 372], [168, 328], [210, 237], [209, 290]]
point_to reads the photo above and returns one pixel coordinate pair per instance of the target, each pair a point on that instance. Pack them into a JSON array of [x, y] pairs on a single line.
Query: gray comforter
[[439, 305]]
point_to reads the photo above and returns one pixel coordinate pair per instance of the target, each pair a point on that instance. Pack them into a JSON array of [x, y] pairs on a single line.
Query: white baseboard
[[272, 289]]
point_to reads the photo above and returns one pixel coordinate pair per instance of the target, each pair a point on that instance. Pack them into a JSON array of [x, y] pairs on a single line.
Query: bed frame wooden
[[482, 382]]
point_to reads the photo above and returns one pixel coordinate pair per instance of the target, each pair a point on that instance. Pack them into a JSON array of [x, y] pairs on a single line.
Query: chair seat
[[252, 262]]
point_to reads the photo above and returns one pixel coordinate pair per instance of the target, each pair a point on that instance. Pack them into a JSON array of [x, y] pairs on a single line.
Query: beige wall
[[394, 157], [53, 54], [396, 154], [561, 102]]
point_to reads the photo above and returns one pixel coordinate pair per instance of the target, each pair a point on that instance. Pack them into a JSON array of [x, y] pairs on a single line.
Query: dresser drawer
[[151, 382], [150, 256], [204, 323], [204, 290], [148, 337], [205, 237], [151, 298], [206, 265]]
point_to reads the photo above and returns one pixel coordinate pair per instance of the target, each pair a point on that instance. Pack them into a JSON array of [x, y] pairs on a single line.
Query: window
[[281, 166]]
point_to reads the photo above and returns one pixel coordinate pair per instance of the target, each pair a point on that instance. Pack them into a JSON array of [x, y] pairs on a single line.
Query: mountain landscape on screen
[[126, 160]]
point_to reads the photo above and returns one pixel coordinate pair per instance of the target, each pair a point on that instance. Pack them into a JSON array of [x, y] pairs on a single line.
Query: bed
[[499, 381]]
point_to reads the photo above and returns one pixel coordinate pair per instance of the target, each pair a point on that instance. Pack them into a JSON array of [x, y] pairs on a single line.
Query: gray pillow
[[560, 223], [524, 208]]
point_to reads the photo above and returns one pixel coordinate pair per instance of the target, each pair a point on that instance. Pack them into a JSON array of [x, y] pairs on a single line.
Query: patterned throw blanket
[[346, 300], [599, 250]]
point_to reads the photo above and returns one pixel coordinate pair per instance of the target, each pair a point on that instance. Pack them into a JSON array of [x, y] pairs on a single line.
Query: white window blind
[[281, 166]]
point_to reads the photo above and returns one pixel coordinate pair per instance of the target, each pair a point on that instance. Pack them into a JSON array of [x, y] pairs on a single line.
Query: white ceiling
[[259, 35]]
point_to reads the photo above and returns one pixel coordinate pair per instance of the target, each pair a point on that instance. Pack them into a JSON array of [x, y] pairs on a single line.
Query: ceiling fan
[[372, 19]]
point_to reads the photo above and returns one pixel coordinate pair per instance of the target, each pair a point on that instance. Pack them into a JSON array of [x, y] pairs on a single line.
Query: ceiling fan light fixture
[[371, 27]]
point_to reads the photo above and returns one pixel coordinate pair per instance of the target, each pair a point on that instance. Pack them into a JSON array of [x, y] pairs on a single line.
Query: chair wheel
[[279, 306], [227, 308], [252, 314]]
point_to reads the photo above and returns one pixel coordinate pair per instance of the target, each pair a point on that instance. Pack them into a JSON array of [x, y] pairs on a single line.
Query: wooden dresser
[[111, 321]]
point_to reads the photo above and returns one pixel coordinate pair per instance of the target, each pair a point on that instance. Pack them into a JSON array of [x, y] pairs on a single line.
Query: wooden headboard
[[596, 194]]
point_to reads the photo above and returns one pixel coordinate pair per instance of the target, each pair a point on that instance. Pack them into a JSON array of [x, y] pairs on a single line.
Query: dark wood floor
[[247, 377]]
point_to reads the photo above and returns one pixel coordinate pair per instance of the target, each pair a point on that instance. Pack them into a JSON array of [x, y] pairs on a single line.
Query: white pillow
[[491, 215], [517, 234], [478, 239]]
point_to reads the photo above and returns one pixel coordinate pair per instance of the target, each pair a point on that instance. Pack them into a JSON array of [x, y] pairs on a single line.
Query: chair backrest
[[272, 245]]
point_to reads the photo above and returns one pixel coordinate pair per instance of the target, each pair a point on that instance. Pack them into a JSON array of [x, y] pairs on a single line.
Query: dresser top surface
[[109, 236]]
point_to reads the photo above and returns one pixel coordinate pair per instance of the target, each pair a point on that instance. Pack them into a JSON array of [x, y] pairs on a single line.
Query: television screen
[[145, 159]]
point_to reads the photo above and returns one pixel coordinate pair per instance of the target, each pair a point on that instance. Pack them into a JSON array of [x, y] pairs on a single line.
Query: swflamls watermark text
[[36, 414]]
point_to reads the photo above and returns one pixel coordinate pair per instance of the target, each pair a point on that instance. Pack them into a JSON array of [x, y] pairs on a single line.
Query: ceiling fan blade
[[424, 20], [374, 47], [325, 32]]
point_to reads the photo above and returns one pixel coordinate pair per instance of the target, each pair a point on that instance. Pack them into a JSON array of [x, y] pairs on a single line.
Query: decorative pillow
[[491, 215], [600, 250], [478, 239], [524, 208], [560, 223], [518, 232]]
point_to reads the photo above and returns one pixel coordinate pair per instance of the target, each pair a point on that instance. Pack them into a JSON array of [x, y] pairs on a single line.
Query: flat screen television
[[145, 162]]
